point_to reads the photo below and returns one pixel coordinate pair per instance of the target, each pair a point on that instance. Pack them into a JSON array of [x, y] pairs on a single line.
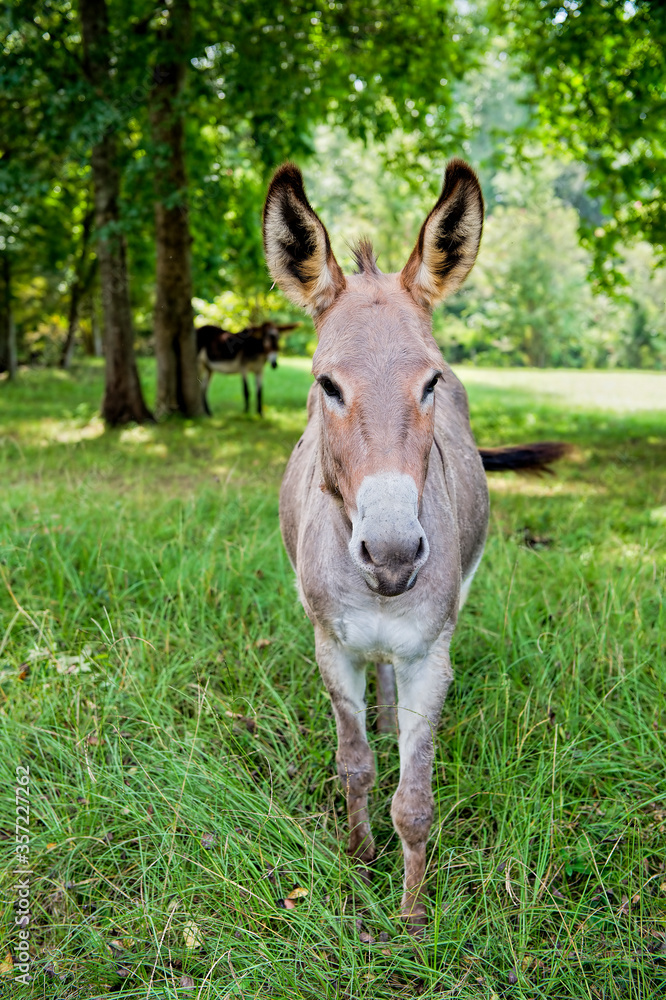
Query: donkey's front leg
[[422, 688], [344, 677]]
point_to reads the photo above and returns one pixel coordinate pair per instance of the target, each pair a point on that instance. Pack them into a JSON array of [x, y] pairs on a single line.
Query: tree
[[8, 360], [83, 269], [597, 68], [123, 401], [178, 388]]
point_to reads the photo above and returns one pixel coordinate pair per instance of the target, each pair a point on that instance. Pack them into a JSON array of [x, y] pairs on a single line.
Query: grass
[[157, 675]]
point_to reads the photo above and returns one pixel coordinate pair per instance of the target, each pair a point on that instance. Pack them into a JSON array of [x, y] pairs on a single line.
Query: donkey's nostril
[[365, 555], [419, 551]]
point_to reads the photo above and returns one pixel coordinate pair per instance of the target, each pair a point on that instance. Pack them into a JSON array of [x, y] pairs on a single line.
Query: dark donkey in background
[[238, 353], [384, 503]]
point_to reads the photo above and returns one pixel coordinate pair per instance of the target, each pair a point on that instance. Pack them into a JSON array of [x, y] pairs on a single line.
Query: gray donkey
[[384, 503]]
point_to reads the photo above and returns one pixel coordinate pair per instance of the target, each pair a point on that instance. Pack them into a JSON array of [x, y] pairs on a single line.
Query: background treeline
[[136, 142]]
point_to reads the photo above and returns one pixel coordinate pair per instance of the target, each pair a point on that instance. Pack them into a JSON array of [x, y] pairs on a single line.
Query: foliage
[[528, 300], [260, 78], [540, 97], [183, 783], [598, 92]]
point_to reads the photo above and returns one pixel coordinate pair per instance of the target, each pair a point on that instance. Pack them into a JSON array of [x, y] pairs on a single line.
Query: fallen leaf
[[286, 904], [208, 841], [263, 643], [192, 935], [7, 966], [297, 893], [49, 847], [366, 938], [186, 983]]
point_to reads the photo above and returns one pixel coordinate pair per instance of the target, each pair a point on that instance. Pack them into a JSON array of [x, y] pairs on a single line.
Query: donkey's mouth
[[390, 583]]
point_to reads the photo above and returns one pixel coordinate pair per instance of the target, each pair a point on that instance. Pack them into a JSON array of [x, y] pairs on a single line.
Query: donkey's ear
[[298, 250], [449, 239]]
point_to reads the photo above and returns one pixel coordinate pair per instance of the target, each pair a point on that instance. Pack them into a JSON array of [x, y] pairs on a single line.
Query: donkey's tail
[[524, 457]]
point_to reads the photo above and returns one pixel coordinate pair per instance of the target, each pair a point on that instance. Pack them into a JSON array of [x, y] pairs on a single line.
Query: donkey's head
[[377, 363], [269, 333]]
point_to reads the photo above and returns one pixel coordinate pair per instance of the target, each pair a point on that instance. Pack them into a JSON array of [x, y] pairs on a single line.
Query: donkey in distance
[[238, 353], [384, 502]]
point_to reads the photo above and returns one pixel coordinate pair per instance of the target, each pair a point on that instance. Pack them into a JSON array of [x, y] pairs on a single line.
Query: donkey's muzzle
[[388, 544], [394, 570]]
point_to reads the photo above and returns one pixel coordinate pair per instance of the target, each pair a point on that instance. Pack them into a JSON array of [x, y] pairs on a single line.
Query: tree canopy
[[199, 103], [598, 90]]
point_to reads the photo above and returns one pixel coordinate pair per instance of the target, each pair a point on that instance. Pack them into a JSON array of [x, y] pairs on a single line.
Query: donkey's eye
[[430, 388], [330, 388]]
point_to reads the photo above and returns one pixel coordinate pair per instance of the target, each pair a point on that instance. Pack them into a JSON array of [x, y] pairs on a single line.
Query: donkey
[[384, 502], [231, 353]]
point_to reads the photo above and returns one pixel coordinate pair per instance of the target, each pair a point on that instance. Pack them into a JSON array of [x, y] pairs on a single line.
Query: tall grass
[[182, 769]]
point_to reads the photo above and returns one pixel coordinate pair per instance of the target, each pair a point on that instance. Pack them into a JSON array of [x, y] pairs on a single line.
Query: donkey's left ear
[[298, 250], [449, 239]]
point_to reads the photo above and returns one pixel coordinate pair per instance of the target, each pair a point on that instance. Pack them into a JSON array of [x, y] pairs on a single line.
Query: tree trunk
[[96, 330], [72, 325], [80, 286], [8, 356], [178, 388], [123, 400]]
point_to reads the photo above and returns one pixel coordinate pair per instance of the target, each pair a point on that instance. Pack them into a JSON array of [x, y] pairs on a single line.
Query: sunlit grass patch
[[615, 391]]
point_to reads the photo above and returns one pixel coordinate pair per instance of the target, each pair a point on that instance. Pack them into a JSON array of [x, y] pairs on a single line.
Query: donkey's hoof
[[363, 875], [362, 851], [416, 920]]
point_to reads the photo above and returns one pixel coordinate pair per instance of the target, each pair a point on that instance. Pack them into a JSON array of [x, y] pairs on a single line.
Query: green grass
[[183, 784]]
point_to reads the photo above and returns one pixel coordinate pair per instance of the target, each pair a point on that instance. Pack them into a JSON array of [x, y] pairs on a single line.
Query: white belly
[[233, 367], [375, 632], [225, 367]]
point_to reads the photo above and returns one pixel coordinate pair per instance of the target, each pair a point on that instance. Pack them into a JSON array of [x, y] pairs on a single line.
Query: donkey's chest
[[373, 631]]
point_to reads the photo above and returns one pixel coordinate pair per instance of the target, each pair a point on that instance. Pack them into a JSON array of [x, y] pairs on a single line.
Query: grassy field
[[157, 676]]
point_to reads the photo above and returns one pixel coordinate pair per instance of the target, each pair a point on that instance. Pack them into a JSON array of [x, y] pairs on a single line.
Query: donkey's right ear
[[298, 250]]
